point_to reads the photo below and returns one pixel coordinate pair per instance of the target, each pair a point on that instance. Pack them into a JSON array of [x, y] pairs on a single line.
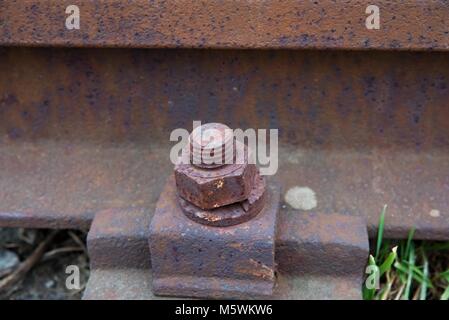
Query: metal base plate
[[191, 259], [318, 256]]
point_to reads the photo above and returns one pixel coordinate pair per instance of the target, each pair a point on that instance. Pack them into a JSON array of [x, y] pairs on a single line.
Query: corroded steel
[[118, 238], [195, 260], [189, 256], [318, 256], [83, 130], [213, 188], [231, 214], [321, 244], [409, 24], [136, 284], [212, 145]]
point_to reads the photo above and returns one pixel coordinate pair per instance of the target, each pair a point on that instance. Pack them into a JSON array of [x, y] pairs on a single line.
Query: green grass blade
[[386, 266], [411, 263], [444, 275], [368, 294], [445, 295], [409, 242], [418, 274], [403, 269], [423, 292], [380, 231], [372, 261]]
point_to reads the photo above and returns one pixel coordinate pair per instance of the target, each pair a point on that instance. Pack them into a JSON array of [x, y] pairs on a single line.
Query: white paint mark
[[302, 198], [434, 213]]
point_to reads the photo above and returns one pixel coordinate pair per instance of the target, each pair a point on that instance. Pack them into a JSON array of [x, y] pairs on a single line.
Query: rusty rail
[[361, 129], [84, 132], [405, 25]]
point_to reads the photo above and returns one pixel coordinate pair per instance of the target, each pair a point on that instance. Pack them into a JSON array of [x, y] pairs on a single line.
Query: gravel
[[47, 278]]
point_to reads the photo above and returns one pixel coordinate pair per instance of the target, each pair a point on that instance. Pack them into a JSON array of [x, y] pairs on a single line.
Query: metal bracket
[[318, 255], [196, 260]]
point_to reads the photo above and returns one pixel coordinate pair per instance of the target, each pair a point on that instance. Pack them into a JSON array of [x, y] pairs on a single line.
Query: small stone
[[9, 235], [8, 261], [49, 284]]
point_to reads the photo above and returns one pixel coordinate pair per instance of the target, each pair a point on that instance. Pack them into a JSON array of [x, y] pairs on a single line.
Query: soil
[[47, 277]]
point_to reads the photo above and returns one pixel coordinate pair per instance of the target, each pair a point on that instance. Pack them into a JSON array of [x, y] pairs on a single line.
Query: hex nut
[[213, 188], [232, 214]]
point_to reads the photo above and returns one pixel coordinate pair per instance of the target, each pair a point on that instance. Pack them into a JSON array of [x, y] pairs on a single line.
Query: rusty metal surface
[[47, 184], [194, 260], [213, 188], [321, 287], [319, 256], [321, 244], [135, 284], [120, 284], [211, 145], [118, 238], [84, 130], [410, 24], [230, 214], [318, 99], [414, 185]]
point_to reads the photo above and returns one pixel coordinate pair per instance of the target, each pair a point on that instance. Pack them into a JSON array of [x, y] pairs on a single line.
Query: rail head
[[239, 24]]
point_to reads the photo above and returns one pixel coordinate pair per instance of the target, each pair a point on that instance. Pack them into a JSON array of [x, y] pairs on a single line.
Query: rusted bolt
[[208, 263], [231, 214], [211, 145], [208, 187]]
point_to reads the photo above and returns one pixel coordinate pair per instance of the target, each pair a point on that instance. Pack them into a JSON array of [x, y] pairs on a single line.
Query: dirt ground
[[46, 277]]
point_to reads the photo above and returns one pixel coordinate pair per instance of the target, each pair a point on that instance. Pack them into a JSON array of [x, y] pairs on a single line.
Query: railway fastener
[[213, 231]]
